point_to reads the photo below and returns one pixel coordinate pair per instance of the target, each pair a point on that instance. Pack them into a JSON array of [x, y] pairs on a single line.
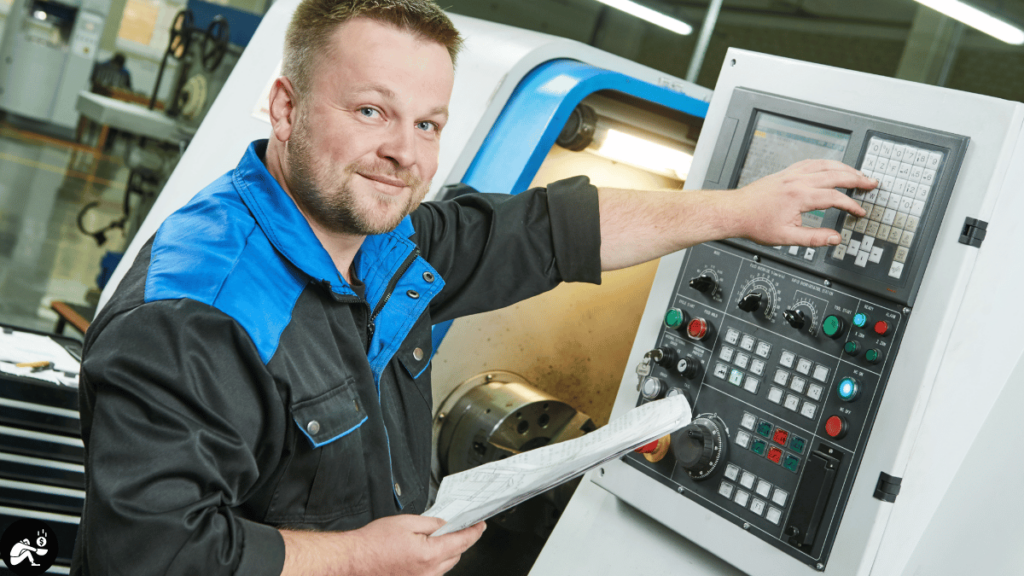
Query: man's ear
[[283, 114]]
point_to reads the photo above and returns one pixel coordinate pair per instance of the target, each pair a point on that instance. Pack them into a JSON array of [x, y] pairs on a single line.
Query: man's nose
[[399, 146]]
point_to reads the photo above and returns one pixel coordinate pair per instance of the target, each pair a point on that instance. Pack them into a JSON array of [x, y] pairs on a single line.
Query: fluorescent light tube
[[642, 153], [652, 16], [976, 19]]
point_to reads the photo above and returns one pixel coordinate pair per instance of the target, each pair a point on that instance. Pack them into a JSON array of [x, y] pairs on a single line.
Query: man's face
[[365, 143]]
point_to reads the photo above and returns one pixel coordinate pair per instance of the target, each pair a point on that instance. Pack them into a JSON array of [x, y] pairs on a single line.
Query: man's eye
[[368, 112], [427, 126]]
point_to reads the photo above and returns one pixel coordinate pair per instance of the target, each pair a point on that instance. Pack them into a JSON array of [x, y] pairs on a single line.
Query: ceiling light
[[652, 16], [976, 19]]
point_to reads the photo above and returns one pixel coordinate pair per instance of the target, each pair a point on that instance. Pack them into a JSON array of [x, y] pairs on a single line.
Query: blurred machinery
[[205, 58], [46, 57]]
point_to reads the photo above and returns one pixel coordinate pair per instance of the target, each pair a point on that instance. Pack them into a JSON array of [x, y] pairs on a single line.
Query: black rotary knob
[[700, 446], [751, 302], [688, 367], [796, 318], [705, 284]]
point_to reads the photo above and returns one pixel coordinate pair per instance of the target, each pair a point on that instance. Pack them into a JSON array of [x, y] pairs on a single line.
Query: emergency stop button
[[835, 427]]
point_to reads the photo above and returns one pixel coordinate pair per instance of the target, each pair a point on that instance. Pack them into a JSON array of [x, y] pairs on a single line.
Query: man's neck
[[342, 248]]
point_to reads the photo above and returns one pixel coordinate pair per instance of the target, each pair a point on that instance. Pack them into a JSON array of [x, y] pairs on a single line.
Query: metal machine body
[[835, 461], [47, 55]]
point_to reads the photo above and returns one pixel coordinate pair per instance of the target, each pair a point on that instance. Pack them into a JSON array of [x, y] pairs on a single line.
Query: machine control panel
[[791, 386], [785, 352]]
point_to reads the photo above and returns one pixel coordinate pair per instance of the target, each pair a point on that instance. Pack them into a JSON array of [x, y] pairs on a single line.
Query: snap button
[[313, 427], [428, 276], [413, 294], [418, 354], [398, 489]]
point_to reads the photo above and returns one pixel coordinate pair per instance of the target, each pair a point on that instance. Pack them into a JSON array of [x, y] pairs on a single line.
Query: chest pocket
[[334, 447]]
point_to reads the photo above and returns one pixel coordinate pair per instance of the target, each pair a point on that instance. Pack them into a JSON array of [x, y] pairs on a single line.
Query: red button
[[780, 436], [649, 447], [835, 427], [774, 454], [881, 327], [697, 329]]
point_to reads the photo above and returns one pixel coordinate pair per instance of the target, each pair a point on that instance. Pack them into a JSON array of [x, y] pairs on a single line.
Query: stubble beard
[[337, 210]]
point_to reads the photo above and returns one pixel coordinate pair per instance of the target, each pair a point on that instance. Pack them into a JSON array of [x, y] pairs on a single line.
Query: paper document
[[17, 347], [468, 497]]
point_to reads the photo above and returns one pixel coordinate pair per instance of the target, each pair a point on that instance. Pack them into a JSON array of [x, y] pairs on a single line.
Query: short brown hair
[[315, 21]]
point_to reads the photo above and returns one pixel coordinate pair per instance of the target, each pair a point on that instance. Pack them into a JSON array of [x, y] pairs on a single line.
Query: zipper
[[371, 326]]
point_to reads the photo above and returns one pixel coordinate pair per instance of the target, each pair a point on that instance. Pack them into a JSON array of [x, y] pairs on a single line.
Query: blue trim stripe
[[326, 442], [538, 109]]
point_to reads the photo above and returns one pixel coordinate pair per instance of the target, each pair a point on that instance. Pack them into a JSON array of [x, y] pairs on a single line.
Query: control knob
[[751, 302], [705, 284], [700, 446], [795, 318]]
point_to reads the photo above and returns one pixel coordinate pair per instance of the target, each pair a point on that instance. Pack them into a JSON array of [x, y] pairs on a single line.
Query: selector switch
[[751, 302], [688, 367], [705, 284], [796, 318]]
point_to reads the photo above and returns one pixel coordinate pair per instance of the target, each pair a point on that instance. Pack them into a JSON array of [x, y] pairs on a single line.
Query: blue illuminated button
[[848, 389], [860, 320]]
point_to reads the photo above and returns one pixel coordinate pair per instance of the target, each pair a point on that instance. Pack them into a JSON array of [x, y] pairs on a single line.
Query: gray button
[[413, 294], [398, 489], [418, 354], [313, 427], [428, 276]]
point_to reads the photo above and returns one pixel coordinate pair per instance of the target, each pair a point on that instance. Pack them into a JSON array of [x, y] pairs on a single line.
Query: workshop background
[[48, 174]]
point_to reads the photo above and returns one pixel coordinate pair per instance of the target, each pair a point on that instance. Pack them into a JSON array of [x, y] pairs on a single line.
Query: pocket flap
[[329, 416]]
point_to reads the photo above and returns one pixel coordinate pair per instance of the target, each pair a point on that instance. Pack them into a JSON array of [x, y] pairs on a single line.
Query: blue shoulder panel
[[212, 251]]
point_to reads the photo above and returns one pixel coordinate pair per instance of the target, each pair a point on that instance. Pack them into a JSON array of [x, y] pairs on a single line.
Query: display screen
[[779, 142]]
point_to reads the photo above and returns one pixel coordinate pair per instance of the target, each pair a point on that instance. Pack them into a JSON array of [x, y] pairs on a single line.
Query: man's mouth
[[387, 180]]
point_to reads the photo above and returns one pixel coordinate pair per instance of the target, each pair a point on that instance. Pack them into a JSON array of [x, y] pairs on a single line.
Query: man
[[255, 397]]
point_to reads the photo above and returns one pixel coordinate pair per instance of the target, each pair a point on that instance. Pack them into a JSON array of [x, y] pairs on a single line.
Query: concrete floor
[[44, 183]]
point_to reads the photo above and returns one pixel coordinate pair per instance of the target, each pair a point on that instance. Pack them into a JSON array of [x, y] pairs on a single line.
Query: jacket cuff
[[576, 229], [262, 550]]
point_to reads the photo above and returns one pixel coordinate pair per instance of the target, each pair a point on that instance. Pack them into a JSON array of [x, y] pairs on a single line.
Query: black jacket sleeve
[[178, 413], [494, 250]]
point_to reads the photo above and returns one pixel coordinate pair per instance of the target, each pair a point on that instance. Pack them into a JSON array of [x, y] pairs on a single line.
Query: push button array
[[773, 442], [798, 384], [906, 175], [757, 492], [747, 355]]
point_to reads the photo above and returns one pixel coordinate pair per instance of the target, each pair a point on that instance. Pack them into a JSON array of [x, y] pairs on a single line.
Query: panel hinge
[[888, 487], [973, 232]]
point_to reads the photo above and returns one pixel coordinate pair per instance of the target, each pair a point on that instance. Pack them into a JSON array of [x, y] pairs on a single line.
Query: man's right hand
[[396, 545]]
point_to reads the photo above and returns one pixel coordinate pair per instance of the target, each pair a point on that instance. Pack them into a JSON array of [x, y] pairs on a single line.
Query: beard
[[334, 206]]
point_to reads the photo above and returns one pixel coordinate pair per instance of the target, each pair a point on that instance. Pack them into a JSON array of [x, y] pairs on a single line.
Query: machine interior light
[[975, 18], [652, 16], [642, 153]]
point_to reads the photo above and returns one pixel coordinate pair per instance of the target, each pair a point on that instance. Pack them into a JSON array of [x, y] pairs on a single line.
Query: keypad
[[884, 237]]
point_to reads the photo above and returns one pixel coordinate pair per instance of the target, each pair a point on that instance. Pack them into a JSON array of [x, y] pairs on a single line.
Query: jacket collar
[[275, 212]]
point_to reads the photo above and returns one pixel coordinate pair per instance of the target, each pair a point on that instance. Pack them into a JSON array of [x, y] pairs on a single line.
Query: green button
[[791, 463], [764, 429], [758, 447], [851, 348], [832, 326], [798, 444], [872, 355], [674, 318]]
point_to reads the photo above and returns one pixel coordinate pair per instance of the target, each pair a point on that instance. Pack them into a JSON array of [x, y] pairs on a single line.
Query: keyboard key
[[869, 162], [901, 254], [907, 240], [883, 231], [934, 159], [896, 270], [894, 235], [912, 222], [876, 255], [917, 208]]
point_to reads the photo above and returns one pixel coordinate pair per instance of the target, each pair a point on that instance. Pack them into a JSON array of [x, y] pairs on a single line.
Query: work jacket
[[236, 383]]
